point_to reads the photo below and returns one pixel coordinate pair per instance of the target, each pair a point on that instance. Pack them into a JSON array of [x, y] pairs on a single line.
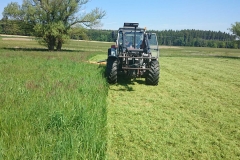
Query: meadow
[[53, 104], [56, 105]]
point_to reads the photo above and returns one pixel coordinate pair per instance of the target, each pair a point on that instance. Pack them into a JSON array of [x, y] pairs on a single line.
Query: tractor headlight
[[113, 51]]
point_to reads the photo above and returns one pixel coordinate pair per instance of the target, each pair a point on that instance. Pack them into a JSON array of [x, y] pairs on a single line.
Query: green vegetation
[[236, 29], [51, 21], [187, 37], [197, 38], [194, 112], [53, 104]]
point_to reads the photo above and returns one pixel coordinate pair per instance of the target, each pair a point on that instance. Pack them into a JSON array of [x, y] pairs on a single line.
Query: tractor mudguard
[[113, 57], [109, 51]]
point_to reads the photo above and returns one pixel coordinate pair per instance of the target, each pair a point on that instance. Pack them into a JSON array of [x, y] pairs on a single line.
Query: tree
[[236, 30], [53, 20], [13, 20], [79, 33]]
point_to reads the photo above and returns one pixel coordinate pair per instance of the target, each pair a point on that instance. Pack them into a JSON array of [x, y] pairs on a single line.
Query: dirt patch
[[17, 39]]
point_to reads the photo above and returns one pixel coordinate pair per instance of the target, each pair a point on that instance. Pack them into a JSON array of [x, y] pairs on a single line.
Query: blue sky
[[216, 15]]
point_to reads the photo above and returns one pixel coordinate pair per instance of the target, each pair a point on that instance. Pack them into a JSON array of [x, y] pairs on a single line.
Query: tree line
[[196, 38], [15, 27], [187, 37]]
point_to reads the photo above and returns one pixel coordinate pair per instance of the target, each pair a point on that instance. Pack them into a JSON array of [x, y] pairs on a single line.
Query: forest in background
[[187, 37]]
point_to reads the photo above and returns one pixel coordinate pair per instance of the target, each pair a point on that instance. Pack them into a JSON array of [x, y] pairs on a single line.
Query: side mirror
[[149, 35], [114, 36]]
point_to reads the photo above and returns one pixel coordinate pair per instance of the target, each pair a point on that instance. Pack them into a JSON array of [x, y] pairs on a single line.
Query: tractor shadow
[[124, 82]]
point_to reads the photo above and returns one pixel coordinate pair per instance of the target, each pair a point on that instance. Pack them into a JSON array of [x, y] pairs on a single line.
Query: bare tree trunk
[[59, 46], [50, 47], [51, 43]]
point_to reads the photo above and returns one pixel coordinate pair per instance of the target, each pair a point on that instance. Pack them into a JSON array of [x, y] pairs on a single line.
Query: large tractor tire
[[152, 76], [111, 70]]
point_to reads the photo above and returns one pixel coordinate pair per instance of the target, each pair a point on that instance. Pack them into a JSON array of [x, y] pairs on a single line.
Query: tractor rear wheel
[[111, 70], [152, 77]]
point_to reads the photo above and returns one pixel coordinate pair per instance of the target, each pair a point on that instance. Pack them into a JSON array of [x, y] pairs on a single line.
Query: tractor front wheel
[[152, 77], [111, 70]]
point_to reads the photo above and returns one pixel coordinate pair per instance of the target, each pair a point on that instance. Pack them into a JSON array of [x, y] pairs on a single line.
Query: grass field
[[194, 113], [55, 105]]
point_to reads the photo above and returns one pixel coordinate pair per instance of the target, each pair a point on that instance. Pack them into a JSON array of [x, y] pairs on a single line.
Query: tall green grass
[[52, 104]]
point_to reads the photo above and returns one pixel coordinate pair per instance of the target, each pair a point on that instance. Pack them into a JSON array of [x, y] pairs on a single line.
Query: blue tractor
[[135, 54]]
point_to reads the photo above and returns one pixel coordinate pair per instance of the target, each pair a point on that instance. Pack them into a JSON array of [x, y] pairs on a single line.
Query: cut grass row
[[194, 112]]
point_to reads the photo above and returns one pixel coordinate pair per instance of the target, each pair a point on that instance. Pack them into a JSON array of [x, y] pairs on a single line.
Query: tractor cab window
[[154, 45], [129, 39]]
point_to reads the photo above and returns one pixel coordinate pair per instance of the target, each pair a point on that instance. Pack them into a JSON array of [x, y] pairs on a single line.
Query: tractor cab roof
[[131, 27]]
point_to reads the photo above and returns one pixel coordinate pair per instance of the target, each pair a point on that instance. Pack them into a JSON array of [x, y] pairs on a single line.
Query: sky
[[214, 15]]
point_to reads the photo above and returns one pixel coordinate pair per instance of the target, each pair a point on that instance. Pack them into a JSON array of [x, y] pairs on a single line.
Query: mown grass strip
[[192, 114]]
